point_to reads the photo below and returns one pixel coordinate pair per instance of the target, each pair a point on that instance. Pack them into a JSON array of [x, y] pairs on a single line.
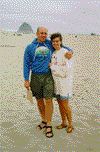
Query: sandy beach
[[19, 117]]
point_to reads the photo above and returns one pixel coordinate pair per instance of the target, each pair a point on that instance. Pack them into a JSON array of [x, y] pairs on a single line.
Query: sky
[[65, 16]]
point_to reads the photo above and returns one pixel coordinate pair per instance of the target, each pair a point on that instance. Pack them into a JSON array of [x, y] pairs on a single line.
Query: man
[[37, 57]]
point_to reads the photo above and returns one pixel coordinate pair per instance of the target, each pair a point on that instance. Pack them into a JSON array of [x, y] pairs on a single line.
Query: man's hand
[[68, 55], [50, 64], [27, 84]]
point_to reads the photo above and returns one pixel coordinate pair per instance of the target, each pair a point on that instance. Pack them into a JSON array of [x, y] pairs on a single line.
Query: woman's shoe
[[61, 126], [70, 129]]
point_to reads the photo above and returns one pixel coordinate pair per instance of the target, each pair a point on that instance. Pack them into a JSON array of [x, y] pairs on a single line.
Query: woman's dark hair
[[55, 35]]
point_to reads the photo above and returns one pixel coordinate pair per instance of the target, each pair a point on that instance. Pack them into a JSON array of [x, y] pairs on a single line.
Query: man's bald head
[[42, 34], [41, 28]]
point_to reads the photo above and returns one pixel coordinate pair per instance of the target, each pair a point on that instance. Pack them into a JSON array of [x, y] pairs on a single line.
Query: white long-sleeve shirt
[[62, 71]]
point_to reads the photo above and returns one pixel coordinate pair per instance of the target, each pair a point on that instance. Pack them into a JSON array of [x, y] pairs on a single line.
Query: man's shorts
[[42, 85]]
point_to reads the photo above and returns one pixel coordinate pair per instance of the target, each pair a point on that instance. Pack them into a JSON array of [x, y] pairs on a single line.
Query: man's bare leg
[[48, 117], [41, 108], [48, 111]]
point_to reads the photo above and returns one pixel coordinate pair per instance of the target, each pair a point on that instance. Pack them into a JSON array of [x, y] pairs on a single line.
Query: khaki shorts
[[42, 85]]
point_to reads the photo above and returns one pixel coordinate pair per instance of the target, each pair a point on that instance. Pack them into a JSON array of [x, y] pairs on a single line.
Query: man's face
[[42, 34]]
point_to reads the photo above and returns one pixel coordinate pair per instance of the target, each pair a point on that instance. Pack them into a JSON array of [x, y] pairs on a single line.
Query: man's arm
[[27, 84], [68, 54], [26, 67]]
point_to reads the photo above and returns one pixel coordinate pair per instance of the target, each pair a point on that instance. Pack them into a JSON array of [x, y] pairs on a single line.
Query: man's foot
[[42, 125], [70, 129], [49, 132], [61, 126]]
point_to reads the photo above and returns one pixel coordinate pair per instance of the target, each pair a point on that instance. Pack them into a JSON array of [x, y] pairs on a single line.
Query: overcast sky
[[65, 16]]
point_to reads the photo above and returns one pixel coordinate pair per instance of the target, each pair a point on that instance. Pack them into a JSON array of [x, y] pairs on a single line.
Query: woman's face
[[56, 42]]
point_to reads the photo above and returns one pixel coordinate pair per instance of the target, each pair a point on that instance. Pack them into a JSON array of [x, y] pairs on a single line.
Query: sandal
[[61, 126], [70, 129], [42, 125], [49, 134]]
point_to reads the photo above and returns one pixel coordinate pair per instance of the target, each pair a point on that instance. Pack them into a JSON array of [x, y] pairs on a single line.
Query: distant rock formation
[[25, 28], [93, 34]]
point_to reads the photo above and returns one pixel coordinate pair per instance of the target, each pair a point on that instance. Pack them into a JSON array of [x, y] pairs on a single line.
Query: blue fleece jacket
[[37, 57]]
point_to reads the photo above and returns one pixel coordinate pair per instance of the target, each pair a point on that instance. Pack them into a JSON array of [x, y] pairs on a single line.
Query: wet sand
[[19, 117]]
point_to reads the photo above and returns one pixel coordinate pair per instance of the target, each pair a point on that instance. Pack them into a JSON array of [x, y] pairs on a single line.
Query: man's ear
[[36, 33]]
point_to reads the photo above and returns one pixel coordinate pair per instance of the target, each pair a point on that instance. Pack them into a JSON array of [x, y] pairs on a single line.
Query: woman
[[60, 71]]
